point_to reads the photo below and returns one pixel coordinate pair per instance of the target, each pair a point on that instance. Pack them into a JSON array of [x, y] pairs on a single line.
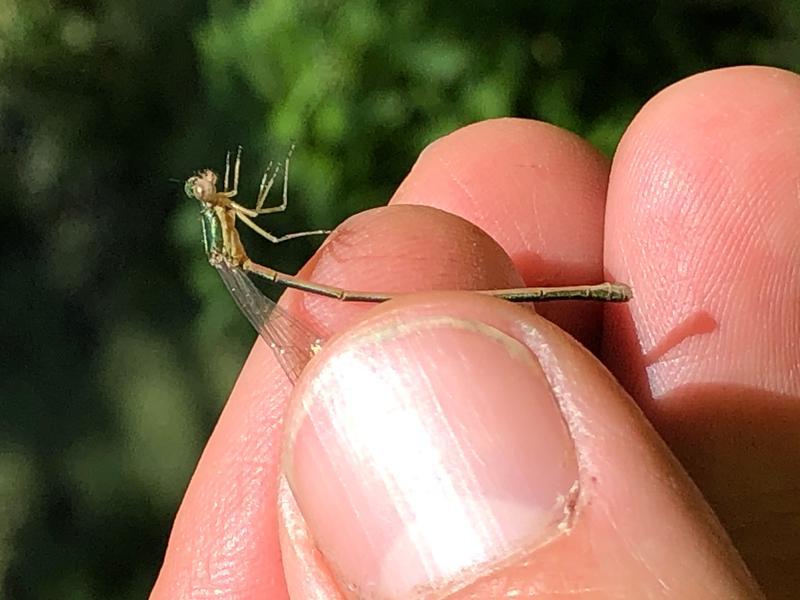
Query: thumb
[[461, 447]]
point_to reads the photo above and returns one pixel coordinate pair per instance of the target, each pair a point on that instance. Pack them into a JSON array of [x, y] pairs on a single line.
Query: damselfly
[[293, 342]]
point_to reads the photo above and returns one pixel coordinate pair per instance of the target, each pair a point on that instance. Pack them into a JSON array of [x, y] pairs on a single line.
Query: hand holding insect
[[419, 511]]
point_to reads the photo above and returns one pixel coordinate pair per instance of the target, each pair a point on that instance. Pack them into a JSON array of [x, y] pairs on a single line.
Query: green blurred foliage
[[119, 343]]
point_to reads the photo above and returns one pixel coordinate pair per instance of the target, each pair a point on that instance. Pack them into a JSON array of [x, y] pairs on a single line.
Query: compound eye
[[193, 188]]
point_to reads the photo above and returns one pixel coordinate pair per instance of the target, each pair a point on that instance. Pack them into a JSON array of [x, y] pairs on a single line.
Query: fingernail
[[427, 452]]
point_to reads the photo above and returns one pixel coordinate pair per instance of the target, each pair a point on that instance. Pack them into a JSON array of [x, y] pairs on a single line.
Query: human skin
[[463, 447]]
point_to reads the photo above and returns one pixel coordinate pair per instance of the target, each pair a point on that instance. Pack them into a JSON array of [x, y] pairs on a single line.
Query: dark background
[[119, 343]]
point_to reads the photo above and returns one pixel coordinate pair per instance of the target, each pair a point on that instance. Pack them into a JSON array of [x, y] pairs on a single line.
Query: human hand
[[454, 442]]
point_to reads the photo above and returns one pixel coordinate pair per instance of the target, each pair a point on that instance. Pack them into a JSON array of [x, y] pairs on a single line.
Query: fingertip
[[401, 249], [457, 444], [537, 189], [702, 220]]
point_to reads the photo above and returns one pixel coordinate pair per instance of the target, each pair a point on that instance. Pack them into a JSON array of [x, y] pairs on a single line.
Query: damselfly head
[[202, 186]]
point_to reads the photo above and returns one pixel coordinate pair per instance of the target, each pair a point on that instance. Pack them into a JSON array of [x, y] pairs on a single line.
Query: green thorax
[[212, 232]]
